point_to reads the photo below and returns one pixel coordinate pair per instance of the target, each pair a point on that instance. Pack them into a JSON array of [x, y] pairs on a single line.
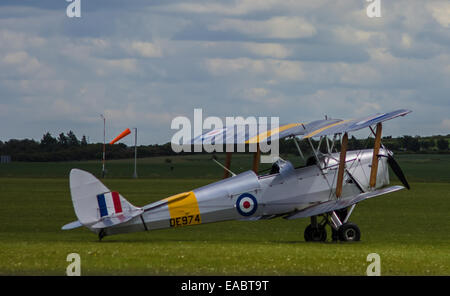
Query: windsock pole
[[104, 145], [135, 153]]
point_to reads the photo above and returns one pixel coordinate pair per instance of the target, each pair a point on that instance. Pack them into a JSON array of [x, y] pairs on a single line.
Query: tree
[[83, 141], [427, 144], [410, 143], [442, 144], [72, 140], [63, 141], [48, 143]]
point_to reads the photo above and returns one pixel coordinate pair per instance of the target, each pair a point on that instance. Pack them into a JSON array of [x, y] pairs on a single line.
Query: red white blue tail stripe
[[109, 203]]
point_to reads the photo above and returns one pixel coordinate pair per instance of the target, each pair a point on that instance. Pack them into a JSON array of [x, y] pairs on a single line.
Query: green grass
[[408, 229], [417, 167], [190, 166]]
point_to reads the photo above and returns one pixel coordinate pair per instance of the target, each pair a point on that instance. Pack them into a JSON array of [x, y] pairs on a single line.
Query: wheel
[[349, 232], [318, 234], [334, 235]]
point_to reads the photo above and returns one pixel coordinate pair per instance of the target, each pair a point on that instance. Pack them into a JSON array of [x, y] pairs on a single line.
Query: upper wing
[[341, 203], [248, 134], [345, 126], [251, 134]]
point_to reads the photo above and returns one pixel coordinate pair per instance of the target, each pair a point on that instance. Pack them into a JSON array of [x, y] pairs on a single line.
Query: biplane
[[326, 189]]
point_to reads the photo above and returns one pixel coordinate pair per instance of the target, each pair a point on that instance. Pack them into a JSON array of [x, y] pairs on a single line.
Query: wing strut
[[256, 158], [226, 173], [376, 149], [340, 177]]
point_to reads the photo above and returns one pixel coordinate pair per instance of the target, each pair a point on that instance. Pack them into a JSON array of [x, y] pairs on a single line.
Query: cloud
[[21, 64], [270, 68], [440, 12], [125, 65], [280, 27], [273, 50], [147, 62], [146, 49], [19, 40], [244, 7]]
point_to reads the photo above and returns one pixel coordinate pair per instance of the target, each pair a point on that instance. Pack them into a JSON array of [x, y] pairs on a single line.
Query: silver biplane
[[326, 189]]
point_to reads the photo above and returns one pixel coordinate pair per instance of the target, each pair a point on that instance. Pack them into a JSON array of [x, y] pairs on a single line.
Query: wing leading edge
[[345, 126]]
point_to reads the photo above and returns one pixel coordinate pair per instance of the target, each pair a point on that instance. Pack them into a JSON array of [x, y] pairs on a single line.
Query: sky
[[143, 63]]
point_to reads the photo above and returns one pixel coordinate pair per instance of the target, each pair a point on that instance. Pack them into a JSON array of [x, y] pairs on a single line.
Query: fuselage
[[248, 196]]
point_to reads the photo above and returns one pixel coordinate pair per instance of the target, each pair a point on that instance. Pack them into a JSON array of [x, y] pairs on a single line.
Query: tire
[[318, 234], [349, 232], [334, 235]]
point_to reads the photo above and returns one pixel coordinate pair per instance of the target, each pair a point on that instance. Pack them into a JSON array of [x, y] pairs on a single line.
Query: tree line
[[66, 147], [404, 144]]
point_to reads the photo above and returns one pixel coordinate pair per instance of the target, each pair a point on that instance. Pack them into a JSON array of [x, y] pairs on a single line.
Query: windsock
[[122, 134]]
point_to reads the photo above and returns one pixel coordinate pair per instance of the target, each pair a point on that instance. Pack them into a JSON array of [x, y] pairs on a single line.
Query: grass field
[[408, 229]]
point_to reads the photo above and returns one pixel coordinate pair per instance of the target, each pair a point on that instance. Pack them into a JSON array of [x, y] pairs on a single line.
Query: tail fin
[[95, 205]]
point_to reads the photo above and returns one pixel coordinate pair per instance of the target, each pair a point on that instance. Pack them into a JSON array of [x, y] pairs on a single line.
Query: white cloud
[[273, 50], [128, 66], [351, 35], [407, 41], [146, 49], [440, 12], [131, 113], [220, 67], [146, 63], [282, 69], [256, 92], [281, 27], [21, 63], [18, 40], [262, 96], [243, 7]]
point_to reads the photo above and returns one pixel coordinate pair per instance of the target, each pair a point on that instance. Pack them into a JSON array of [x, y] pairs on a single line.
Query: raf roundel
[[246, 204]]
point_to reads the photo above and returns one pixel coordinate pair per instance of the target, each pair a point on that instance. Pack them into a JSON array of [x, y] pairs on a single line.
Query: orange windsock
[[122, 134]]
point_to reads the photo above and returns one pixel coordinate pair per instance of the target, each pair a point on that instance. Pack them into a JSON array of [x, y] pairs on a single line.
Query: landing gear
[[349, 232], [316, 232], [343, 231], [101, 234]]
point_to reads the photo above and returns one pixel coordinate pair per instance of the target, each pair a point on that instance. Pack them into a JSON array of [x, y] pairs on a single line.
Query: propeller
[[397, 170]]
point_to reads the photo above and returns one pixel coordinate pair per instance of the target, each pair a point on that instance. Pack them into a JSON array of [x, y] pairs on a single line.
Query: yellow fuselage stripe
[[184, 205], [266, 134]]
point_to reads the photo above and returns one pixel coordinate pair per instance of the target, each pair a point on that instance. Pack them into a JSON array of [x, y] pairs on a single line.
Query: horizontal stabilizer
[[72, 225], [334, 205], [115, 220]]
